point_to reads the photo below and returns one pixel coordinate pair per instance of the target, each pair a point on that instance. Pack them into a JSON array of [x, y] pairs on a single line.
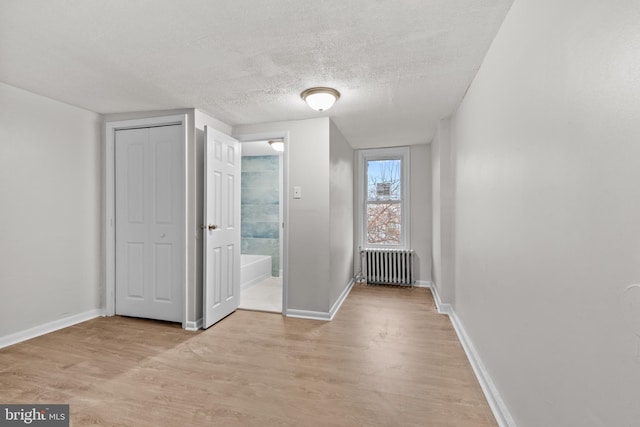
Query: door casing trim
[[109, 230]]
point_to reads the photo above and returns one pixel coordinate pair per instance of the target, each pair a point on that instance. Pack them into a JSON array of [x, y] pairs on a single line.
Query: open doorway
[[262, 219]]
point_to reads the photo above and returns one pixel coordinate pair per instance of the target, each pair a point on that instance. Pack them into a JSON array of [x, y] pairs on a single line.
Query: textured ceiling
[[400, 65]]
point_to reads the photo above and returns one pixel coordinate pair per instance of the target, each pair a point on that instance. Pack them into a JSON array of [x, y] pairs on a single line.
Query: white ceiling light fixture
[[277, 145], [320, 98]]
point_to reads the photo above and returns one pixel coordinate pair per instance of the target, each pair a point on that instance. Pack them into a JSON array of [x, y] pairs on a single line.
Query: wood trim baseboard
[[306, 314], [343, 296], [193, 326], [48, 327], [442, 308], [491, 393], [422, 284], [321, 315]]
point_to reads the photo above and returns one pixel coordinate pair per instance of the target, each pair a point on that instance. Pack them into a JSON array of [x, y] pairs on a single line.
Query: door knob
[[210, 227]]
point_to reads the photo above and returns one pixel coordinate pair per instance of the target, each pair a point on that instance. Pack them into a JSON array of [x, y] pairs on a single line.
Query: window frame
[[392, 153]]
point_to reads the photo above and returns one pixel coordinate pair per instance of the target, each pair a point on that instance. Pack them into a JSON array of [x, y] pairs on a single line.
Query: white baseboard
[[48, 327], [422, 284], [321, 315], [442, 308], [306, 314], [497, 405], [343, 296], [193, 326]]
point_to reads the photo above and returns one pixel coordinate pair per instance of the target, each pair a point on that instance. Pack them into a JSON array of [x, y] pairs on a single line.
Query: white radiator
[[388, 266]]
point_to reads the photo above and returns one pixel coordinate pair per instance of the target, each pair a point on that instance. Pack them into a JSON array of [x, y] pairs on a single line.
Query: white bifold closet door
[[150, 208]]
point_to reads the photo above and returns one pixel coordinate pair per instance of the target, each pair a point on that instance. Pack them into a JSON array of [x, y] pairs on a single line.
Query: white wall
[[308, 270], [436, 251], [548, 211], [341, 213], [50, 189], [420, 213], [442, 275]]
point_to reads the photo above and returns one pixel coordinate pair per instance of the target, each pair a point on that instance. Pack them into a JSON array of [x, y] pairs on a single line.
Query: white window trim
[[401, 153]]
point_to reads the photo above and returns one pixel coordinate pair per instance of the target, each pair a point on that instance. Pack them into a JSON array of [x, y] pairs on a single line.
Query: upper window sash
[[383, 202]]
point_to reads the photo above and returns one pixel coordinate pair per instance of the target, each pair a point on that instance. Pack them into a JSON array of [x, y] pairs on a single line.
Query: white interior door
[[221, 226], [149, 196]]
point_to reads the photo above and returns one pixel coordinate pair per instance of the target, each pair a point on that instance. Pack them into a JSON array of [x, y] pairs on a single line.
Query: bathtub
[[253, 269]]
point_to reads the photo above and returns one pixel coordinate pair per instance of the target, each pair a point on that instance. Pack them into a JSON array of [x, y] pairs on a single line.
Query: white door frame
[[109, 229], [284, 256]]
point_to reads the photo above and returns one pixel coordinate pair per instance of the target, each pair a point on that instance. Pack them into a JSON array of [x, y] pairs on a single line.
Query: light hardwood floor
[[387, 359]]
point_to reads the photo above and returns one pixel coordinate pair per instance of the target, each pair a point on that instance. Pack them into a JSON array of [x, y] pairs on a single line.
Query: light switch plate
[[297, 192]]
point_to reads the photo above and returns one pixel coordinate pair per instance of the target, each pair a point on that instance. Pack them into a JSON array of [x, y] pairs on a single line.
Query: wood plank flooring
[[387, 359]]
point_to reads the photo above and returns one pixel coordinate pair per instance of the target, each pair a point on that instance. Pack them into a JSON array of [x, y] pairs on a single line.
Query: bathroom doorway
[[262, 219]]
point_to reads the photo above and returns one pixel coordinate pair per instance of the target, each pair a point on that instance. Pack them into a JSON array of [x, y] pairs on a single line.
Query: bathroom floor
[[263, 296]]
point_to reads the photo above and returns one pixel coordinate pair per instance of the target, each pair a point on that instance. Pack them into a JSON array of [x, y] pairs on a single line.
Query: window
[[383, 190]]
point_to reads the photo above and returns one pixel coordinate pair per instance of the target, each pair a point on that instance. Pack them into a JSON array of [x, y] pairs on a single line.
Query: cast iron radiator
[[388, 266]]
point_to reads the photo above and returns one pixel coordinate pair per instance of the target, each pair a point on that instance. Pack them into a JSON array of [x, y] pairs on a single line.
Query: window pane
[[383, 223], [384, 179]]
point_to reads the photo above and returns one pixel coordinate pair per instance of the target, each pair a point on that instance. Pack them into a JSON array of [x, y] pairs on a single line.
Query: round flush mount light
[[320, 98], [277, 145]]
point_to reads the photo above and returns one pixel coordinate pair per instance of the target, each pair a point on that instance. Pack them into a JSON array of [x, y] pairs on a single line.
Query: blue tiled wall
[[261, 208]]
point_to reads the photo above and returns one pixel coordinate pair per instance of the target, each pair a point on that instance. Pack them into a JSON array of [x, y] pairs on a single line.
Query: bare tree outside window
[[384, 202]]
